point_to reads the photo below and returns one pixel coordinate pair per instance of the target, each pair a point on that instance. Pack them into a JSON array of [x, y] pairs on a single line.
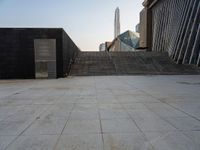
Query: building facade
[[143, 28], [137, 28], [127, 41], [173, 26], [102, 47], [117, 23]]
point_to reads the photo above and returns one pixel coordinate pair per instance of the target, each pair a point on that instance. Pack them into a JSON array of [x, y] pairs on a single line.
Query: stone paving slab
[[82, 126], [171, 141], [5, 141], [101, 113], [80, 142], [39, 142], [128, 141]]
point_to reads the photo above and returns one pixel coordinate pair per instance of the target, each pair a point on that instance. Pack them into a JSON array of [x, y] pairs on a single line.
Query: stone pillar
[[149, 30], [143, 28]]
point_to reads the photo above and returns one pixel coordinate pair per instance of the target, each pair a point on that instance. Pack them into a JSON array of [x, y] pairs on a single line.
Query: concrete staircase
[[127, 63]]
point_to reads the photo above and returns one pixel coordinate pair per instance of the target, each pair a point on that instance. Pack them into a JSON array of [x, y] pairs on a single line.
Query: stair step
[[127, 63]]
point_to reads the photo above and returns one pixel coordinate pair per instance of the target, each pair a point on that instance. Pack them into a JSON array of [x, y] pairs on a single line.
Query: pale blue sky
[[87, 22]]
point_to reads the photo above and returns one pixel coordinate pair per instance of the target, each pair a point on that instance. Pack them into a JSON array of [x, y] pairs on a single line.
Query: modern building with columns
[[172, 26]]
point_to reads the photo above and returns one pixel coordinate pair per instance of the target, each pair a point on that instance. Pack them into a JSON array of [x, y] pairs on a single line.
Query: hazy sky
[[87, 22]]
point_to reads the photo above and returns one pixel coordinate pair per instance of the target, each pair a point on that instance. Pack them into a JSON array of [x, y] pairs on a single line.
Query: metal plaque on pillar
[[45, 58]]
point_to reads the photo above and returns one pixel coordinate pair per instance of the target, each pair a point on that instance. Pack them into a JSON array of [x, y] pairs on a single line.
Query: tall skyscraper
[[117, 22]]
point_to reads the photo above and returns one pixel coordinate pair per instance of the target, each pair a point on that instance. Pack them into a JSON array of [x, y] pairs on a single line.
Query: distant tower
[[117, 22]]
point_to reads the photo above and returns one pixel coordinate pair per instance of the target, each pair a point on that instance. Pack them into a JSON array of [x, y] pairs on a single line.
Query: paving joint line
[[99, 115], [36, 118], [74, 104], [172, 107]]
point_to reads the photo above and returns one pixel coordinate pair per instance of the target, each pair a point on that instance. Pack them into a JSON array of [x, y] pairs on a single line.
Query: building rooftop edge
[[149, 3]]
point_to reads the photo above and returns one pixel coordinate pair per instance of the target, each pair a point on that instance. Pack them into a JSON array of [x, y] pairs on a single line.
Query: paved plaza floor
[[101, 113]]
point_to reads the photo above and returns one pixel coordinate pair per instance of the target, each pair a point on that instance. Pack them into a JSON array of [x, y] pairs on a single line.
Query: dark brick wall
[[17, 51]]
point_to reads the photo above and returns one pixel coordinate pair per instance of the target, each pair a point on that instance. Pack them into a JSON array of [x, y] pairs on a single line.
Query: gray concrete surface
[[101, 113]]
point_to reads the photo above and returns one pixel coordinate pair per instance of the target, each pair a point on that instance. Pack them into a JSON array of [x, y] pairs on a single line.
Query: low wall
[[17, 60]]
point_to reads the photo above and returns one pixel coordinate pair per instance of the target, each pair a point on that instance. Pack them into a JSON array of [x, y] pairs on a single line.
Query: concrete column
[[170, 34], [192, 42], [161, 45], [149, 30], [195, 49], [182, 32], [187, 33], [156, 15], [143, 28], [179, 28], [198, 61]]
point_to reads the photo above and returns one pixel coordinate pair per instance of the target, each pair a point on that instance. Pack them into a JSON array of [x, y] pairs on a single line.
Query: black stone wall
[[70, 51], [17, 60]]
